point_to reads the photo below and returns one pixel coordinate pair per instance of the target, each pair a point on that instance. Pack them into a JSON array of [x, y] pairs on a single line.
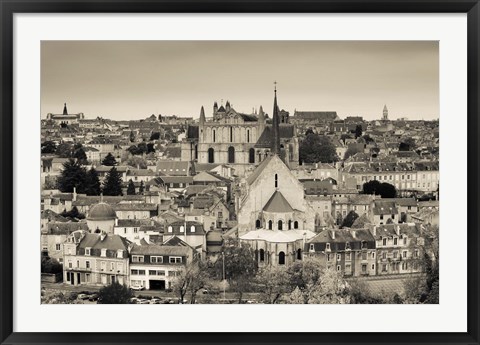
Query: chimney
[[354, 233], [333, 234], [74, 193], [374, 230], [397, 229], [103, 235], [116, 221]]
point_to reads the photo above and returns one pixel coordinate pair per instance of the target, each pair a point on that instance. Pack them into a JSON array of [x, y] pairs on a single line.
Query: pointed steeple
[[65, 112], [202, 116], [261, 114], [276, 125]]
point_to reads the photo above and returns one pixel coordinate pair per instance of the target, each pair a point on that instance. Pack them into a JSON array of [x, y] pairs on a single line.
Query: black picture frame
[[10, 7]]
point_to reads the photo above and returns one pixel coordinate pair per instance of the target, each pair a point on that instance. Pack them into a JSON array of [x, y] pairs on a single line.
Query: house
[[135, 210], [154, 266], [95, 259], [103, 170], [174, 168], [350, 252], [192, 233], [175, 183], [385, 212], [135, 230], [53, 236]]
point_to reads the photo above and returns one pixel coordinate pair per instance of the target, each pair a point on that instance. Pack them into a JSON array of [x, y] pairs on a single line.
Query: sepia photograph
[[239, 172]]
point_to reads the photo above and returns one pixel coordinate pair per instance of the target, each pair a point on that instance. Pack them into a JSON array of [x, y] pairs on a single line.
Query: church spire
[[202, 116], [65, 112], [276, 125]]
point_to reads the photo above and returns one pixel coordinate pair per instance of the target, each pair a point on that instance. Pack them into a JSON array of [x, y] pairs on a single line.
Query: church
[[65, 118], [273, 215], [240, 140]]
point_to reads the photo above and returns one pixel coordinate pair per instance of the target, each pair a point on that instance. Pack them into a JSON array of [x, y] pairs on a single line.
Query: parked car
[[155, 301], [143, 301], [134, 300], [83, 296], [93, 298], [137, 287]]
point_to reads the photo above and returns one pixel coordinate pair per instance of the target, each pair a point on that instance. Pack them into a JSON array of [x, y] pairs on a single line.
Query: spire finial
[[275, 86], [65, 112]]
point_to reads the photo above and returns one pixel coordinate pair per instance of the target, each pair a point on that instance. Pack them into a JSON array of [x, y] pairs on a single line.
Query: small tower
[[261, 121], [202, 116], [276, 125], [65, 112], [215, 108], [227, 107], [385, 113]]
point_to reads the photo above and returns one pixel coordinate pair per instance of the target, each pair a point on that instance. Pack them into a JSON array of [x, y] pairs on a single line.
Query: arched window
[[258, 224], [289, 224], [182, 228], [248, 135], [262, 255], [299, 254], [192, 228], [270, 225], [170, 229], [211, 158], [251, 155], [231, 154], [295, 225], [213, 136], [276, 180], [281, 258], [280, 225]]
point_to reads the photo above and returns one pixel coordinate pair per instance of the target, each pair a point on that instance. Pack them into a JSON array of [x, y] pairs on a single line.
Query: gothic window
[[211, 158], [289, 224], [231, 134], [231, 155], [295, 225], [270, 225], [276, 180], [280, 225], [281, 258], [251, 155], [257, 223]]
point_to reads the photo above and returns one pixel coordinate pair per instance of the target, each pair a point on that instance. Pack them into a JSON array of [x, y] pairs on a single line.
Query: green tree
[[317, 148], [109, 160], [304, 275], [150, 148], [131, 188], [349, 219], [113, 183], [273, 281], [48, 147], [114, 293], [73, 175], [92, 183], [240, 266], [141, 188], [143, 148]]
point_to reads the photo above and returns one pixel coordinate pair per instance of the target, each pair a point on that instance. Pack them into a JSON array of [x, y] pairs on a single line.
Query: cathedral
[[240, 140]]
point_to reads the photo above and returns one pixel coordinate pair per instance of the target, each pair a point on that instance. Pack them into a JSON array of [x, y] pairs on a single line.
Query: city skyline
[[124, 80]]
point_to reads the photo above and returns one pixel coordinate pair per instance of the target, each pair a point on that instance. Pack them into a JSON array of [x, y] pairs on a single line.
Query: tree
[[240, 266], [51, 265], [134, 150], [80, 155], [317, 148], [309, 131], [386, 190], [109, 160], [73, 176], [137, 162], [92, 183], [358, 131], [304, 276], [155, 136], [113, 183], [407, 144], [131, 188], [368, 139], [64, 150], [114, 293], [142, 188], [143, 148], [49, 147], [349, 219], [190, 280], [132, 137], [73, 214], [273, 281], [352, 150], [150, 148]]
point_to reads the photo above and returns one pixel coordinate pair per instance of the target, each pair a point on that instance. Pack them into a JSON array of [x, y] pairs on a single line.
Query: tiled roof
[[155, 249], [65, 228], [278, 204], [316, 115], [259, 169], [135, 207], [266, 138]]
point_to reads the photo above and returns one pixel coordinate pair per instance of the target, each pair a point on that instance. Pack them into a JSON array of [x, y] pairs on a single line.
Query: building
[[95, 259], [65, 118]]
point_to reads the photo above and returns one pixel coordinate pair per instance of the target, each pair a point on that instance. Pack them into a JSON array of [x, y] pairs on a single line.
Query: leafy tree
[[317, 148], [344, 137], [358, 131], [50, 183], [49, 147], [131, 188], [240, 266], [132, 137], [64, 150], [407, 144], [80, 155], [73, 175], [190, 280], [150, 148], [386, 190], [109, 160], [273, 281], [155, 136], [304, 275], [137, 162], [113, 183], [92, 183], [368, 139], [142, 147], [51, 265], [349, 219], [114, 293], [73, 214], [141, 188], [309, 131], [134, 150]]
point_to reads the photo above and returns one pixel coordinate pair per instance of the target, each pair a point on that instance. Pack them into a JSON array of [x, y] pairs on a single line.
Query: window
[[182, 228], [175, 260], [87, 264], [70, 264], [257, 223], [395, 241], [416, 253], [156, 259], [327, 246], [339, 257], [248, 135], [192, 228], [328, 257], [281, 258], [87, 251], [404, 254], [251, 155], [262, 255], [211, 155], [312, 247], [276, 180], [384, 255], [384, 268], [135, 230], [384, 241], [112, 266], [404, 241], [270, 225], [104, 252], [137, 258], [339, 267], [213, 135], [220, 214], [231, 154], [364, 255], [295, 225], [231, 134], [170, 229], [373, 266], [280, 225], [348, 256], [395, 254], [373, 255], [57, 246]]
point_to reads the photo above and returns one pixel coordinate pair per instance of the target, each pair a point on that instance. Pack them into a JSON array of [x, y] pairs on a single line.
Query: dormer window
[[312, 247], [87, 251], [192, 228], [182, 228], [327, 246], [119, 254], [104, 252], [170, 229]]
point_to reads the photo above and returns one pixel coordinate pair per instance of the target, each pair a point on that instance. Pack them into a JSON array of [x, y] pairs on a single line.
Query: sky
[[123, 80]]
